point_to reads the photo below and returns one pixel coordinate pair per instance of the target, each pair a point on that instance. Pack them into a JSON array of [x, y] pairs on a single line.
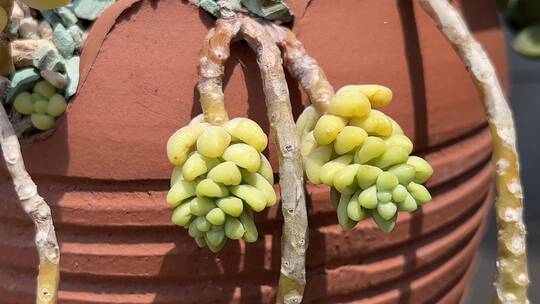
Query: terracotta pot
[[104, 170]]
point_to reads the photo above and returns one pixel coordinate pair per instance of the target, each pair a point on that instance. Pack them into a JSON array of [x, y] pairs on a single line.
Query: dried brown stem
[[294, 241], [512, 278], [214, 54], [302, 67], [36, 208]]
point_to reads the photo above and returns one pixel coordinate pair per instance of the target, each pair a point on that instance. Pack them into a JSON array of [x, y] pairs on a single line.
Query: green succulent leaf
[[527, 42], [212, 7], [267, 9]]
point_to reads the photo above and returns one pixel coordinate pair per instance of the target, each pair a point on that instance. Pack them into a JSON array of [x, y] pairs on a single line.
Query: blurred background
[[522, 29]]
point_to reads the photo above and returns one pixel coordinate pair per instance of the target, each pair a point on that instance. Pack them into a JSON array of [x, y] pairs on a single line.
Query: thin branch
[[36, 208], [214, 54], [512, 278], [294, 240], [302, 67]]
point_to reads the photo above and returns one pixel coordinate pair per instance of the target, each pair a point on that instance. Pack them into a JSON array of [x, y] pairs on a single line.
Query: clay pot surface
[[105, 173]]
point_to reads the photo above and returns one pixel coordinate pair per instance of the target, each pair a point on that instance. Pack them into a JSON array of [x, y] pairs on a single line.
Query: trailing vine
[[512, 278]]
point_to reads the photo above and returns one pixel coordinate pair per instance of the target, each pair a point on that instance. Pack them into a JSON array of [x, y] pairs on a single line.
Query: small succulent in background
[[40, 51], [523, 16]]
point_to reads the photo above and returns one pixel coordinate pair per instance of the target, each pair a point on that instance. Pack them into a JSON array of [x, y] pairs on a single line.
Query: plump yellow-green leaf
[[354, 210], [384, 196], [226, 173], [193, 231], [181, 142], [200, 205], [57, 105], [44, 88], [399, 194], [306, 121], [379, 96], [234, 228], [266, 169], [349, 104], [386, 210], [180, 191], [176, 175], [308, 144], [373, 147], [181, 215], [386, 181], [392, 156], [246, 218], [258, 181], [23, 103], [216, 216], [404, 172], [423, 169], [215, 240], [213, 141], [343, 217], [367, 176], [202, 224], [208, 187], [247, 131], [327, 128], [376, 123], [196, 165], [409, 204], [314, 162], [368, 198], [400, 140], [329, 170], [349, 139], [42, 122], [244, 156], [419, 192], [40, 107], [345, 179], [231, 205], [254, 197], [385, 225]]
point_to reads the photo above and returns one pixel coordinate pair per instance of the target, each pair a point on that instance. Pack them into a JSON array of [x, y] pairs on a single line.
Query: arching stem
[[294, 241], [36, 208], [302, 67], [512, 278], [214, 54]]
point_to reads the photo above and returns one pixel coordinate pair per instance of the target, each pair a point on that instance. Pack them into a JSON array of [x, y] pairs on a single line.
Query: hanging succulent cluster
[[364, 156], [220, 178]]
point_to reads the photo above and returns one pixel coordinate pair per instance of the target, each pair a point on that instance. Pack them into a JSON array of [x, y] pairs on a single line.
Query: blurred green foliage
[[524, 17]]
